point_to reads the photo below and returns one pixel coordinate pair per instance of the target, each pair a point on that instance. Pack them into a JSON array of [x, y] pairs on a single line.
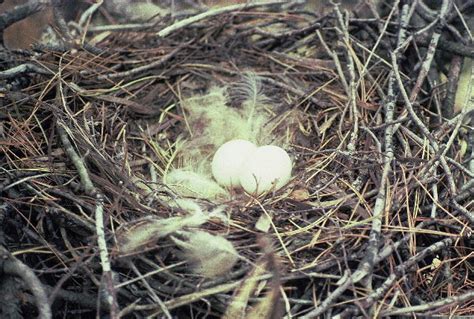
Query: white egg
[[268, 168], [228, 160]]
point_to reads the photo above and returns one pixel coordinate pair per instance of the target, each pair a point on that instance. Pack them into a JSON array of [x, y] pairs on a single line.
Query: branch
[[21, 12], [211, 13], [468, 296], [426, 65], [12, 266], [23, 68], [366, 266]]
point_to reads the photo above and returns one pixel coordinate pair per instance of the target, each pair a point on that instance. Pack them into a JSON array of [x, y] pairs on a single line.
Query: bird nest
[[373, 104]]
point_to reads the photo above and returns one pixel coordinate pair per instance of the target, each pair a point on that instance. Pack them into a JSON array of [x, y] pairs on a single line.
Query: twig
[[23, 68], [143, 68], [211, 13], [12, 266], [76, 160], [87, 14], [19, 13], [99, 220], [453, 79], [425, 66], [154, 296], [352, 103], [431, 306], [294, 35], [60, 21], [89, 188], [337, 63], [450, 46], [299, 92], [65, 32], [367, 263], [330, 299], [122, 27], [108, 280]]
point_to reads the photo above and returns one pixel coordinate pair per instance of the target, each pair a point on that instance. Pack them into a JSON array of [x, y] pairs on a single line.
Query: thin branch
[[366, 266], [212, 13], [21, 69], [76, 160], [431, 306], [426, 65], [12, 266], [21, 12]]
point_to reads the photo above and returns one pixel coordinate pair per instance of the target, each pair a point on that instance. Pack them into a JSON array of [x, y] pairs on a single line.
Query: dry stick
[[426, 65], [434, 190], [466, 191], [293, 35], [12, 266], [22, 68], [87, 14], [129, 27], [468, 296], [337, 63], [390, 248], [387, 251], [429, 56], [21, 12], [99, 220], [439, 22], [60, 21], [330, 299], [366, 266], [211, 13], [299, 92], [470, 101], [63, 28], [434, 163], [351, 147], [459, 166], [409, 100], [451, 89], [107, 275], [140, 69], [76, 160], [451, 47], [153, 295]]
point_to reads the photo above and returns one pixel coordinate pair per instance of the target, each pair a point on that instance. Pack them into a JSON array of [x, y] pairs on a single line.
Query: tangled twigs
[[10, 265]]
